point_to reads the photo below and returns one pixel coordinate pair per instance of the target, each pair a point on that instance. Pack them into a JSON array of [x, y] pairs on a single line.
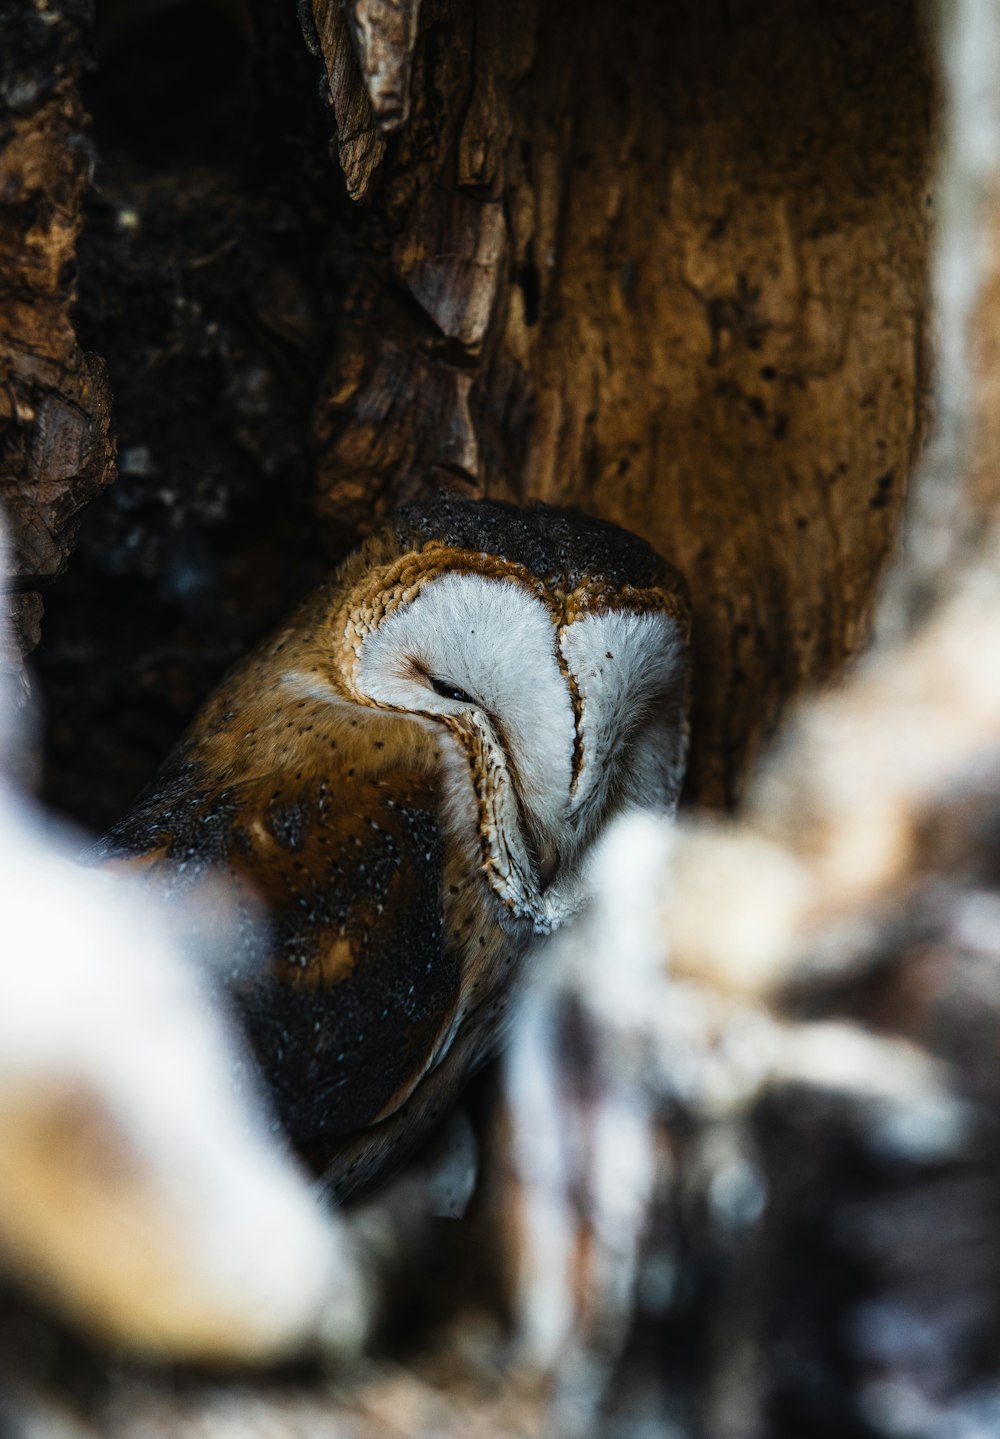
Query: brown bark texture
[[55, 414], [645, 261], [653, 262]]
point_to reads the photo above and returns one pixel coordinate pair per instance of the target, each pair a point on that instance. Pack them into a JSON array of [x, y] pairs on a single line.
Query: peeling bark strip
[[410, 418], [449, 258], [367, 48], [385, 32], [360, 146], [55, 449]]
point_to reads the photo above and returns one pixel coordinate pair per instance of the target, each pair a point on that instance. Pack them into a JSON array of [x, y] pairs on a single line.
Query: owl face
[[561, 683], [404, 780]]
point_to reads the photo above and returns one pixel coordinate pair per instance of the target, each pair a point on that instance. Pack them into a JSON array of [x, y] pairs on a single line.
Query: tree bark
[[667, 265], [55, 416]]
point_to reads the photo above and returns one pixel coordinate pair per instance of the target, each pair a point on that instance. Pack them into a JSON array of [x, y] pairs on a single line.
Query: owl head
[[405, 779], [552, 648]]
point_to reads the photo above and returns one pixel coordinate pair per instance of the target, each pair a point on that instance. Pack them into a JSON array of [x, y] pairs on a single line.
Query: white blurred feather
[[138, 1191]]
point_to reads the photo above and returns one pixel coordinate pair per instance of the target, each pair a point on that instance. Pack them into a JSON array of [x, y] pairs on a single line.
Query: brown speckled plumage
[[375, 836]]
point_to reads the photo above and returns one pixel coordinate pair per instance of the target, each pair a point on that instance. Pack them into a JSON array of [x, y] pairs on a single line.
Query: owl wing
[[347, 990]]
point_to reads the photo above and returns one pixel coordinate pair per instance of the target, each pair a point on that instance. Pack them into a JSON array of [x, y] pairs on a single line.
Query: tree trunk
[[667, 265], [54, 399]]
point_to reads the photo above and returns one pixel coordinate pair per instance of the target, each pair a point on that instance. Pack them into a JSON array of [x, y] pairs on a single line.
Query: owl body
[[406, 778]]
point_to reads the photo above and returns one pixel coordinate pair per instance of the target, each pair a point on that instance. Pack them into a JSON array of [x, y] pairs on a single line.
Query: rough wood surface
[[669, 266], [359, 146], [56, 453], [385, 32]]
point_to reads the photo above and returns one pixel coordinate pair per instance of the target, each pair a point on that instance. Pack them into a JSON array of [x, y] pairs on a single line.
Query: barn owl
[[408, 776]]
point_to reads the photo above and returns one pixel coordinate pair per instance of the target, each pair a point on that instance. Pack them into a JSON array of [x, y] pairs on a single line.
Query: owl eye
[[450, 692]]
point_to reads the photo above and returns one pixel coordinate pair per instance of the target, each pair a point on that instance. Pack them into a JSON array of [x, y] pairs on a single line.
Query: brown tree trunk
[[664, 263], [54, 399], [668, 264]]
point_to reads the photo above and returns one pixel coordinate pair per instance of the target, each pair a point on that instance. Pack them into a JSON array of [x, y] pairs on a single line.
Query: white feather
[[500, 644], [629, 671], [497, 642]]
